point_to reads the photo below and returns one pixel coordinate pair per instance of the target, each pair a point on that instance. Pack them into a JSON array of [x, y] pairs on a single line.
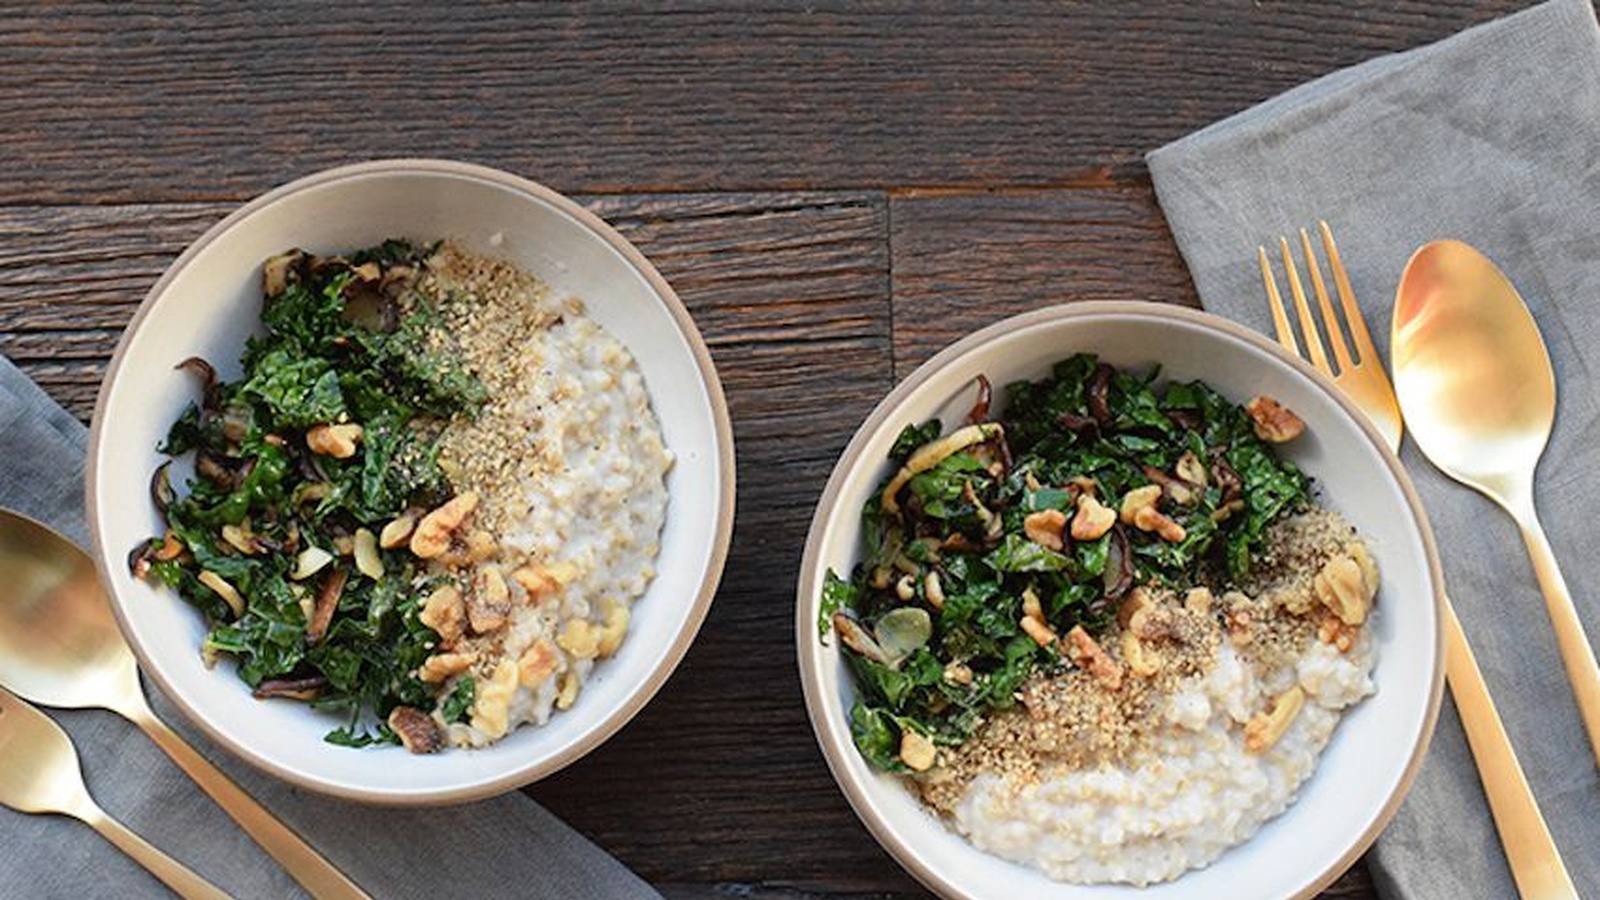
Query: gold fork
[[41, 775], [1535, 862]]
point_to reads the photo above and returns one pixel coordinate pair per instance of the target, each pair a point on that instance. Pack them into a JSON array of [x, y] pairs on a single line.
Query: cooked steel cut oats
[[1108, 634], [569, 462]]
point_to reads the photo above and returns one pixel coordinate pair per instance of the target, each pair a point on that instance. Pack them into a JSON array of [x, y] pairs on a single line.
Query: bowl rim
[[721, 422], [809, 651]]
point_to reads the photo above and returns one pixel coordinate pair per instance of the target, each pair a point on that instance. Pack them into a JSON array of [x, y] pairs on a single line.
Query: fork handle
[[183, 881], [303, 863], [1531, 853]]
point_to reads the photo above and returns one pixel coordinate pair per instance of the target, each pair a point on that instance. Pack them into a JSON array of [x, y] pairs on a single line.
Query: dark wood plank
[[71, 276], [965, 260], [130, 102]]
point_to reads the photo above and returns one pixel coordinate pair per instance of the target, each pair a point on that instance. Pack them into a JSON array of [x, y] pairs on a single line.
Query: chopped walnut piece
[[417, 730], [1141, 660], [615, 628], [541, 581], [337, 441], [917, 752], [580, 638], [958, 673], [1137, 499], [475, 548], [1331, 630], [1092, 520], [1266, 728], [444, 612], [1041, 633], [489, 602], [1273, 422], [1044, 528], [568, 695], [1148, 518], [491, 709], [537, 664], [440, 666], [1090, 657], [1198, 600], [433, 534], [1343, 587], [1135, 602]]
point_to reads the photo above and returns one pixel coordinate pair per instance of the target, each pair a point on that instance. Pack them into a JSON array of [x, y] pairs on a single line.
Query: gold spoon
[[1475, 381], [41, 775], [60, 646]]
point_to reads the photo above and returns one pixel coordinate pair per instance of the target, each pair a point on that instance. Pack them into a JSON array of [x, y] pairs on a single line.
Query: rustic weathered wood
[[964, 260], [836, 191], [140, 101]]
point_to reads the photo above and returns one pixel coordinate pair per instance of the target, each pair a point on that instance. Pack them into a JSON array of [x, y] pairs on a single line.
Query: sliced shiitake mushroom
[[1082, 426], [1099, 393], [308, 688], [1118, 574], [1226, 479], [208, 379], [142, 556], [161, 492], [278, 272], [417, 730], [328, 594], [980, 406], [856, 638]]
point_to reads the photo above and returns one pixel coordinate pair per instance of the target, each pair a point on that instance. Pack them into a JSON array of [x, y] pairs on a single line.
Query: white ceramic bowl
[[208, 302], [1366, 768]]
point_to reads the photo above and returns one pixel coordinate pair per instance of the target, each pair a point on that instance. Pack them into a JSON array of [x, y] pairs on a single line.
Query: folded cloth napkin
[[1490, 136], [508, 846]]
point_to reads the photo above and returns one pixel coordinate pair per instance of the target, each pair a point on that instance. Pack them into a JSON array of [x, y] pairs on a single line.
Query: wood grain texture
[[964, 260], [837, 190], [132, 102]]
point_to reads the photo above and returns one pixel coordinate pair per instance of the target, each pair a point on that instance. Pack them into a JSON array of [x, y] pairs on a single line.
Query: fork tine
[[1330, 321], [1308, 326], [1365, 351], [1280, 318]]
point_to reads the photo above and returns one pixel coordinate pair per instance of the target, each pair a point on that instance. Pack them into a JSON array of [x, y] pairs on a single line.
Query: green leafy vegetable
[[335, 351], [959, 539]]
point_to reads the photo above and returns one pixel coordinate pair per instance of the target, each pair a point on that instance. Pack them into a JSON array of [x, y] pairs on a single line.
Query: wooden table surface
[[835, 190]]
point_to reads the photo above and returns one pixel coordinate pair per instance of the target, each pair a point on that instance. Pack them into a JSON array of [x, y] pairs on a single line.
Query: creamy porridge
[[1108, 633]]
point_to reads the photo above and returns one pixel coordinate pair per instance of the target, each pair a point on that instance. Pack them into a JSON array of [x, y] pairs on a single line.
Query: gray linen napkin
[[1491, 136], [508, 846]]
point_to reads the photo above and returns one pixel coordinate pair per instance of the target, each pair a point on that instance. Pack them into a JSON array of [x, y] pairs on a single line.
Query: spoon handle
[[1531, 853], [1576, 652], [172, 873], [303, 863]]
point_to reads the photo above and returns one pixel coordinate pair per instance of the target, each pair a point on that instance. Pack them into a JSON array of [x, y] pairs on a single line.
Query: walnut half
[[1273, 422]]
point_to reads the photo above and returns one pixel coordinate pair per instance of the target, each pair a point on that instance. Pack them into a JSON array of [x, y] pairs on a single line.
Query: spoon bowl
[[60, 646], [59, 643], [1471, 370], [41, 775], [1477, 387]]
